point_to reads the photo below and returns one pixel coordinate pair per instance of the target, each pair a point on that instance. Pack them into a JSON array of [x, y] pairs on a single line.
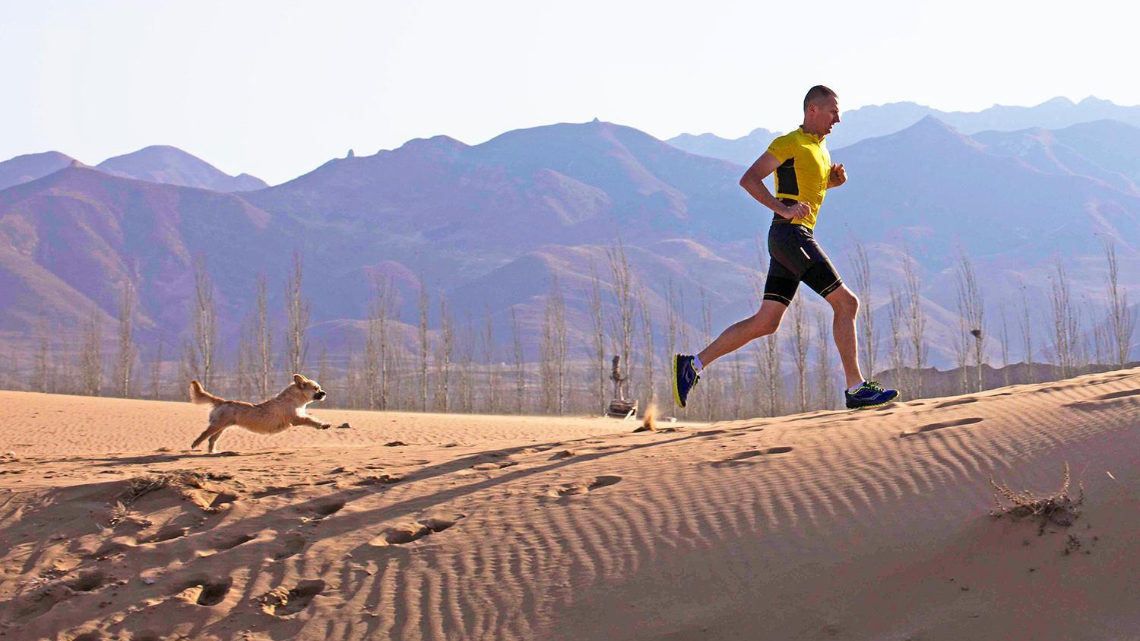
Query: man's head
[[821, 110]]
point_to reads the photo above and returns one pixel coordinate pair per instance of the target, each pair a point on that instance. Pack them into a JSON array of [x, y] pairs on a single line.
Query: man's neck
[[807, 130]]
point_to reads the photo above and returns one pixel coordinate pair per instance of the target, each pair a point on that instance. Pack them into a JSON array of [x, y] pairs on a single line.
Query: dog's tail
[[201, 396]]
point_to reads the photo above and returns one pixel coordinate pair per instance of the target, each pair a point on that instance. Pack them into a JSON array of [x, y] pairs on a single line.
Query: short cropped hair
[[817, 94]]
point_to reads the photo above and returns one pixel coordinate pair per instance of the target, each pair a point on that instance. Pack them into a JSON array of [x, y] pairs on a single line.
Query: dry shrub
[[1058, 508]]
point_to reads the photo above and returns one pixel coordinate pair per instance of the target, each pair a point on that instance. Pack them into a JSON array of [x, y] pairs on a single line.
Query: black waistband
[[777, 219]]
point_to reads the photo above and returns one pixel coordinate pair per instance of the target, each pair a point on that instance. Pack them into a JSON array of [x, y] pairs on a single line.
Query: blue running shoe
[[870, 394], [685, 378]]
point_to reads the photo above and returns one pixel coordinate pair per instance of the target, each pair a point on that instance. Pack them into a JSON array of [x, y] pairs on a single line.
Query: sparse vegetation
[[1057, 509]]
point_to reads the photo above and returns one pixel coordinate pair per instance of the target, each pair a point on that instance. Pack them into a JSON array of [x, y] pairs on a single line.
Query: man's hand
[[798, 210], [838, 176]]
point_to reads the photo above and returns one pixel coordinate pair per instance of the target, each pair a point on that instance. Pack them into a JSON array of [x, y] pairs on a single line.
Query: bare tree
[[425, 346], [371, 373], [1004, 343], [466, 359], [599, 336], [800, 340], [298, 317], [557, 306], [323, 371], [647, 326], [156, 371], [1027, 335], [91, 354], [386, 309], [825, 379], [444, 356], [263, 338], [492, 369], [244, 367], [1066, 327], [971, 310], [898, 344], [204, 321], [915, 320], [866, 317], [125, 363], [770, 373], [623, 322], [520, 374], [1121, 322], [43, 353]]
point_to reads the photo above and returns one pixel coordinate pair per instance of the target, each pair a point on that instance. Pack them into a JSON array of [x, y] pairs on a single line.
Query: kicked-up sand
[[832, 525]]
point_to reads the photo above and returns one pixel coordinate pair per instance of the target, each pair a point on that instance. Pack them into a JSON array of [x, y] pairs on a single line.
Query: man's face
[[824, 115]]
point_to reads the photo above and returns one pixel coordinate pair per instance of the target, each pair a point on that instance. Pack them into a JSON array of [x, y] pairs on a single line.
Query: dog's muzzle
[[318, 396]]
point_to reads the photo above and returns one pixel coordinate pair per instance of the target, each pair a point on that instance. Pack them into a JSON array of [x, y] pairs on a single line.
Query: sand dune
[[867, 525]]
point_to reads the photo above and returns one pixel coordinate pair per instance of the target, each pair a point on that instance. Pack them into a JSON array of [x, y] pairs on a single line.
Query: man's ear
[[298, 379]]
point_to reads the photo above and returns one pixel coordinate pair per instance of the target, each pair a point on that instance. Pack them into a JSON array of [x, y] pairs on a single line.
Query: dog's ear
[[298, 379]]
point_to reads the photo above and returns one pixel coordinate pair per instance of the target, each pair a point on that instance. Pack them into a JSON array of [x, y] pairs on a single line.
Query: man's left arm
[[838, 176]]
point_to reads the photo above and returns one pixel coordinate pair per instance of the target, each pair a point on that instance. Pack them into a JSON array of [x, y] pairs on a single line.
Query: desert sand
[[832, 525]]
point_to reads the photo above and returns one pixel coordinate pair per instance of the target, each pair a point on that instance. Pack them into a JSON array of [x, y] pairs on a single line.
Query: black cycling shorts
[[797, 257]]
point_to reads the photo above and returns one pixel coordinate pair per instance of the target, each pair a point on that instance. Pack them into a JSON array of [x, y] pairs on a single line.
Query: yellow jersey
[[805, 168]]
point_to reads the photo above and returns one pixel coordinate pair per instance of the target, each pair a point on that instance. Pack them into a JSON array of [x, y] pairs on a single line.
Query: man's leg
[[845, 306], [764, 322]]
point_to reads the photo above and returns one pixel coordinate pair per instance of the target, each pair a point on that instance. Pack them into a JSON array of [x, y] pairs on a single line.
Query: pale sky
[[276, 88]]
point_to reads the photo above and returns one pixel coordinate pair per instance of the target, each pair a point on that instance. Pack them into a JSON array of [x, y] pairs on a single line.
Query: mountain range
[[880, 120], [489, 225]]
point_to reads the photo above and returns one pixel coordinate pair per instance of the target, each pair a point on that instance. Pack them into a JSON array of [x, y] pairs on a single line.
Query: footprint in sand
[[741, 457], [167, 533], [939, 426], [205, 591], [1103, 401], [584, 487], [283, 603], [291, 544], [326, 509], [959, 401], [495, 465], [408, 532]]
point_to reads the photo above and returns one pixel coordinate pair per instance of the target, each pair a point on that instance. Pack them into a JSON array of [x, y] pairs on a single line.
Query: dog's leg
[[211, 433], [311, 422], [214, 438]]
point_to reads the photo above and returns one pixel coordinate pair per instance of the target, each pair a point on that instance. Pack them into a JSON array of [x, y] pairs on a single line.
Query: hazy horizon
[[275, 89]]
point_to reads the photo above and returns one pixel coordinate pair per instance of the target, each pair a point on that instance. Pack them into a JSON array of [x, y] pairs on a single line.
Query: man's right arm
[[753, 182]]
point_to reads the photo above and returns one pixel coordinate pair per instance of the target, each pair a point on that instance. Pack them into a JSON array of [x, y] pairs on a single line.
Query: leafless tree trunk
[[557, 305], [205, 325], [546, 349], [492, 369], [1027, 335], [800, 339], [323, 371], [298, 313], [125, 363], [737, 389], [244, 352], [770, 372], [425, 346], [1065, 325], [43, 353], [647, 326], [971, 310], [445, 355], [263, 337], [520, 374], [709, 398], [372, 356], [1004, 343], [623, 323], [898, 344], [466, 359], [156, 371], [866, 306], [825, 379], [599, 336], [91, 354], [915, 321], [1121, 323]]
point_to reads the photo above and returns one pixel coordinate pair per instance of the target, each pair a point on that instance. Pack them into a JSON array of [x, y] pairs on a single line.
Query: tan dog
[[268, 417]]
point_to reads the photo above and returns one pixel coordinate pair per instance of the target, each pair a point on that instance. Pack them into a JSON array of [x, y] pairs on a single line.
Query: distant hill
[[743, 151], [879, 120], [490, 224], [172, 166], [27, 168]]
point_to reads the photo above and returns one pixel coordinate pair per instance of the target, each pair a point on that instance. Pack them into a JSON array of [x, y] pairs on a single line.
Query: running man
[[803, 175]]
